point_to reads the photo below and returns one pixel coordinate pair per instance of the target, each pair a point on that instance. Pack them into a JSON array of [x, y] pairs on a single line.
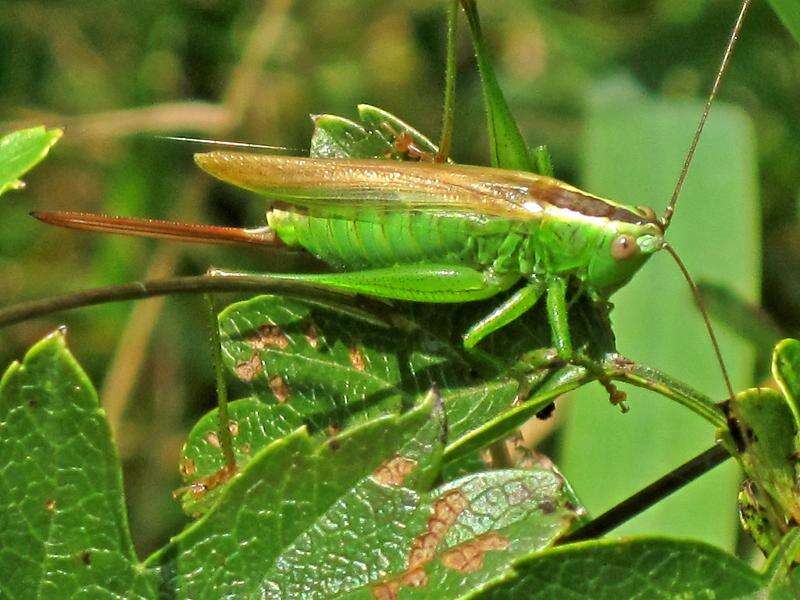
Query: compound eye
[[624, 247]]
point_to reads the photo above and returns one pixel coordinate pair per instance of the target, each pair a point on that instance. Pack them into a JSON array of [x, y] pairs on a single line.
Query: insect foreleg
[[417, 283], [557, 313], [515, 306]]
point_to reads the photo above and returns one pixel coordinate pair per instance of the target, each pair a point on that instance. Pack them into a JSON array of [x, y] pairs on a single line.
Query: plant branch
[[649, 496], [224, 430], [139, 290]]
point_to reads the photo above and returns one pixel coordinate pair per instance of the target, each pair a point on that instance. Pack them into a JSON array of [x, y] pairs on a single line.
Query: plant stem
[[164, 287], [501, 458], [448, 111], [652, 494], [223, 432]]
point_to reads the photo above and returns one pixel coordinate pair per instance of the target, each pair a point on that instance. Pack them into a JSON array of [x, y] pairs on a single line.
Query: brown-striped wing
[[338, 187]]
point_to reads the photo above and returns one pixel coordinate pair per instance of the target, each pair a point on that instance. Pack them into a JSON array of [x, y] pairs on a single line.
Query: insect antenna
[[177, 138], [698, 297], [726, 59]]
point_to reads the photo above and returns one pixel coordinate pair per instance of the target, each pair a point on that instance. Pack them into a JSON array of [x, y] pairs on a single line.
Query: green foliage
[[366, 496], [63, 528], [507, 148], [639, 568], [634, 147], [353, 477], [20, 151], [764, 434], [789, 12]]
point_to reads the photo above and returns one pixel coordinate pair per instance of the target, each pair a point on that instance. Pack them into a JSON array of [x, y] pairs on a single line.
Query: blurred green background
[[115, 74]]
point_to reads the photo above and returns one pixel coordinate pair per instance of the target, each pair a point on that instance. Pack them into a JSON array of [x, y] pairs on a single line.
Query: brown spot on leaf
[[213, 439], [386, 591], [246, 449], [468, 557], [50, 504], [205, 484], [415, 578], [268, 336], [86, 557], [233, 427], [187, 467], [332, 431], [279, 388], [446, 510], [249, 369], [312, 335], [548, 507], [445, 513], [357, 359], [394, 471]]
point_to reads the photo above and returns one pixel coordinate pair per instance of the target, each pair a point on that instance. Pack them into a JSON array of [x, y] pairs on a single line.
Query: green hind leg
[[416, 283]]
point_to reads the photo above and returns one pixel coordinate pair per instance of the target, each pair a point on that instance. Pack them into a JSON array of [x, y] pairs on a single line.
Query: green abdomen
[[398, 238]]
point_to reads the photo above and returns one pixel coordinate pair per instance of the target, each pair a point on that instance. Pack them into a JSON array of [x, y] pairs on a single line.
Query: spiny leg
[[557, 314]]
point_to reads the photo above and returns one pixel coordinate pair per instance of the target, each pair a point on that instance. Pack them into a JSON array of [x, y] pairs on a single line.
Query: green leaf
[[253, 425], [20, 151], [634, 148], [764, 431], [781, 572], [327, 370], [390, 126], [633, 568], [498, 514], [374, 137], [507, 147], [354, 513], [786, 371], [789, 13], [63, 527]]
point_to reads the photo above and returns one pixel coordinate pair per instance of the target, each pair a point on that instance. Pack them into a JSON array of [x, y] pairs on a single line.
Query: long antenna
[[726, 59], [698, 297], [178, 138]]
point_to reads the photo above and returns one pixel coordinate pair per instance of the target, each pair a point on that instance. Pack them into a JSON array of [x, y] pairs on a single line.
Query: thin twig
[[448, 112], [649, 496], [223, 431], [167, 286]]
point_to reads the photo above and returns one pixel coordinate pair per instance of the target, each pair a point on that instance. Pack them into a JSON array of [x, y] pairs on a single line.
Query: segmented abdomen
[[397, 238]]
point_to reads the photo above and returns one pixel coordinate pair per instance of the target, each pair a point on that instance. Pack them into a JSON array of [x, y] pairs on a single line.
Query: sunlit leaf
[[20, 151], [63, 526]]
